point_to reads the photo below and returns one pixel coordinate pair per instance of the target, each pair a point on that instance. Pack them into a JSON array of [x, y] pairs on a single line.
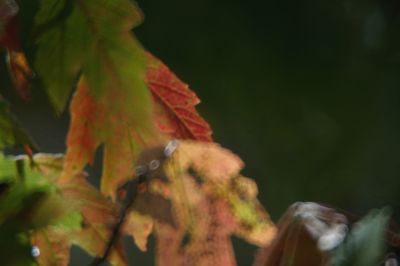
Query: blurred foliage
[[11, 133], [366, 242], [27, 202], [313, 234], [305, 91]]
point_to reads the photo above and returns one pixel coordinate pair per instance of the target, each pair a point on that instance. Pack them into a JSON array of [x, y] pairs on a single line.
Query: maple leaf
[[53, 245], [97, 212], [208, 240], [210, 202], [92, 38], [94, 240], [139, 227], [174, 104], [203, 159], [97, 120], [112, 105], [252, 222], [99, 216], [94, 214]]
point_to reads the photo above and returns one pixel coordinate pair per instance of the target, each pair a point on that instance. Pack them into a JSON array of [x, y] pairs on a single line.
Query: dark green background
[[306, 92]]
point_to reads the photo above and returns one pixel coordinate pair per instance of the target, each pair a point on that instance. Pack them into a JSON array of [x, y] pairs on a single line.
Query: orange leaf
[[94, 207], [210, 202], [54, 247], [99, 217], [210, 160], [208, 243], [94, 238], [97, 119], [20, 73], [85, 129], [139, 227], [168, 241], [174, 104]]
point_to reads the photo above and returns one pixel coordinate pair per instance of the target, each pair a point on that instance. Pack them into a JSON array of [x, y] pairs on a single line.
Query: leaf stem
[[132, 191]]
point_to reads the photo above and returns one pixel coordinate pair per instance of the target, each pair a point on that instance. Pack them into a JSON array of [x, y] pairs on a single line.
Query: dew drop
[[35, 251]]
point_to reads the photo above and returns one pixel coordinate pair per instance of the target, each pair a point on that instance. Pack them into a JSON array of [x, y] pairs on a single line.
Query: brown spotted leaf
[[203, 234], [252, 222], [209, 160], [210, 203], [207, 242], [216, 171], [168, 242], [174, 104]]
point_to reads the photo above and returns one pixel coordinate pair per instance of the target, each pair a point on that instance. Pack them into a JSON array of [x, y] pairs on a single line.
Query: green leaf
[[72, 221], [11, 133], [15, 248], [253, 223], [60, 49], [365, 244], [91, 41], [93, 38], [27, 202]]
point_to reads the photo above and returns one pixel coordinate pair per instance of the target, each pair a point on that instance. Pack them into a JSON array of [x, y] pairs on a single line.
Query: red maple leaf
[[174, 104]]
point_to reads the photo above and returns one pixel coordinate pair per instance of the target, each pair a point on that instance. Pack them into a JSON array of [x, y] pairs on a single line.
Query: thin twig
[[132, 191]]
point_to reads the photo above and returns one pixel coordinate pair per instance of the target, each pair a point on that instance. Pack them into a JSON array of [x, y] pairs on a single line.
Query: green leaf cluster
[[28, 201]]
